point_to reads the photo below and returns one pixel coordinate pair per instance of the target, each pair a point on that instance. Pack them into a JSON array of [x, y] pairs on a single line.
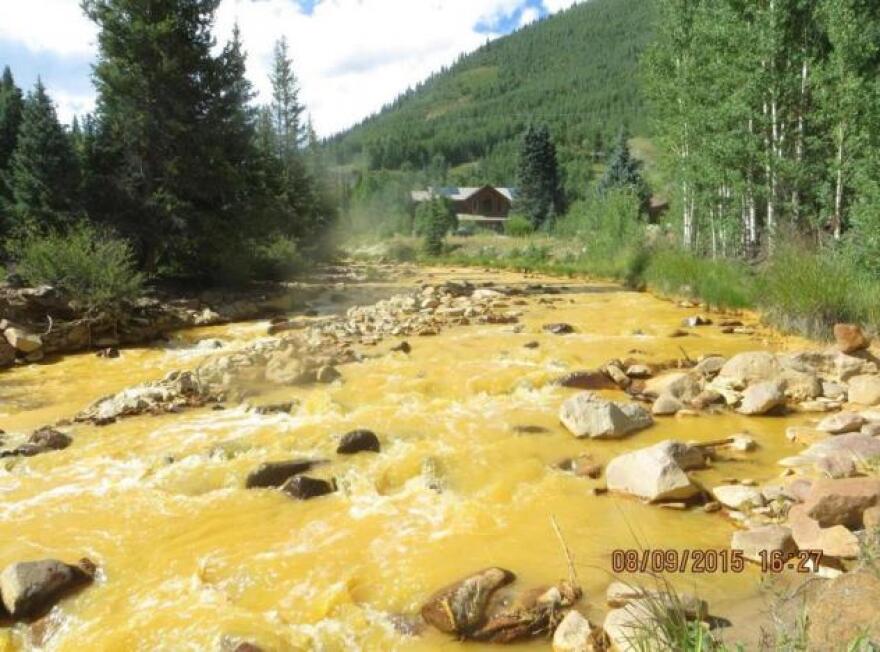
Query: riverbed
[[188, 556]]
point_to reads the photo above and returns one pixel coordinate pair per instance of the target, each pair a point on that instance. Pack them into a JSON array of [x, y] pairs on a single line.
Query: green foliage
[[44, 171], [279, 259], [574, 71], [11, 108], [518, 226], [540, 196], [808, 292], [433, 220], [720, 283], [95, 267], [624, 172]]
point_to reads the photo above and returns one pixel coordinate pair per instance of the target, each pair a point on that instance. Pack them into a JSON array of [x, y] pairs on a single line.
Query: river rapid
[[188, 556]]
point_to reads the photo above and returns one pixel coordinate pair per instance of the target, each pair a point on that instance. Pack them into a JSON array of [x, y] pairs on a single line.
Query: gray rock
[[275, 474], [840, 423], [761, 398], [303, 487], [33, 587], [652, 473], [573, 634], [865, 390], [23, 341], [666, 405], [752, 367], [738, 497], [589, 415], [764, 539], [358, 441]]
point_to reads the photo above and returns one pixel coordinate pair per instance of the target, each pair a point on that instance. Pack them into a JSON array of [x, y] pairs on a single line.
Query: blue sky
[[352, 56]]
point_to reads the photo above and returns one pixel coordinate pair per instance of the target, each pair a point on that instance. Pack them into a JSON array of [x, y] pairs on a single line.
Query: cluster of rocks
[[839, 517], [484, 607], [31, 588], [40, 321], [288, 475], [38, 442]]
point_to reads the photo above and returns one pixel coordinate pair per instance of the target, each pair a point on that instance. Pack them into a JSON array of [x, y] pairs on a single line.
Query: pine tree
[[624, 172], [540, 196], [175, 130], [286, 108], [44, 171], [11, 107]]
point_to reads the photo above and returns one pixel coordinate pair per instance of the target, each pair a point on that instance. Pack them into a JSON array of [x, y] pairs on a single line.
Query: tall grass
[[720, 283]]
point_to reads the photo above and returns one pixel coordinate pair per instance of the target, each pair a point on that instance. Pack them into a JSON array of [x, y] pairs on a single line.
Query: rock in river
[[275, 474], [460, 608], [589, 415], [850, 338], [865, 390], [573, 634], [656, 473], [302, 487], [761, 398], [558, 329], [33, 587], [842, 502], [358, 441], [767, 538]]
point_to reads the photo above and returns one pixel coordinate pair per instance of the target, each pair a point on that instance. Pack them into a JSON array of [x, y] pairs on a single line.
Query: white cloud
[[56, 26], [71, 104], [555, 5], [352, 56], [529, 15]]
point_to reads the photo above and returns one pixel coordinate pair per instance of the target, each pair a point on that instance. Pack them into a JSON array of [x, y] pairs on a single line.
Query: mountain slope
[[576, 71]]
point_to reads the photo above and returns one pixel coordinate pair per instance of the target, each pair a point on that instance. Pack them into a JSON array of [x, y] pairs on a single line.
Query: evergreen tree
[[540, 196], [624, 172], [175, 132], [11, 107], [286, 108], [44, 171]]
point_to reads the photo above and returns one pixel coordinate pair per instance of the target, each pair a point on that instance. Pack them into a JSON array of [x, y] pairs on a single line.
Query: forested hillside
[[576, 72]]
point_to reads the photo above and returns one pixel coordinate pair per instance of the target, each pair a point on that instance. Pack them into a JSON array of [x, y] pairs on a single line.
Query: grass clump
[[721, 283], [518, 226], [95, 267]]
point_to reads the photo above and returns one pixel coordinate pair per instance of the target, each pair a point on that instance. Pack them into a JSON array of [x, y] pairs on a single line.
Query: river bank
[[463, 377], [798, 290]]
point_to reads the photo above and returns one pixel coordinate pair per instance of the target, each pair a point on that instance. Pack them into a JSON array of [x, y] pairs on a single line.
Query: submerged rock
[[275, 474], [589, 415], [33, 587], [358, 441], [589, 380], [558, 329], [302, 487], [460, 608]]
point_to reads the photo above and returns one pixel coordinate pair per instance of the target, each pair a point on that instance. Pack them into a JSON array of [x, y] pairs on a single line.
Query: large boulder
[[845, 610], [589, 415], [764, 539], [801, 386], [762, 397], [460, 608], [23, 341], [850, 338], [834, 541], [864, 390], [653, 473], [842, 502], [33, 587], [854, 447], [751, 367]]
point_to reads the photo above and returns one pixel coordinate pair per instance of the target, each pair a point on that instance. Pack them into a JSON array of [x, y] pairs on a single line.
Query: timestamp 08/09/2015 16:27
[[711, 561]]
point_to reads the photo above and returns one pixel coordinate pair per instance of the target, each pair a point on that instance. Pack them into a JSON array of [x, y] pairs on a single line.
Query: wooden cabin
[[485, 206]]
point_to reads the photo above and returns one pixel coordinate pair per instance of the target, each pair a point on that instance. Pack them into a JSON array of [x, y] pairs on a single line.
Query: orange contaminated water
[[188, 556]]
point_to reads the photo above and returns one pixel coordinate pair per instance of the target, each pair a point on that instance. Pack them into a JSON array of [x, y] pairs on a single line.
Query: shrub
[[279, 259], [95, 267], [400, 252], [518, 226]]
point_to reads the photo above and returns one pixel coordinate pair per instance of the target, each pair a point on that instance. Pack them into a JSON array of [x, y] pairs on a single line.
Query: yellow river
[[188, 556]]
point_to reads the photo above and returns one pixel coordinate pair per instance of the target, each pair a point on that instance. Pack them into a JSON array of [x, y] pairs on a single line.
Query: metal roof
[[456, 193]]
